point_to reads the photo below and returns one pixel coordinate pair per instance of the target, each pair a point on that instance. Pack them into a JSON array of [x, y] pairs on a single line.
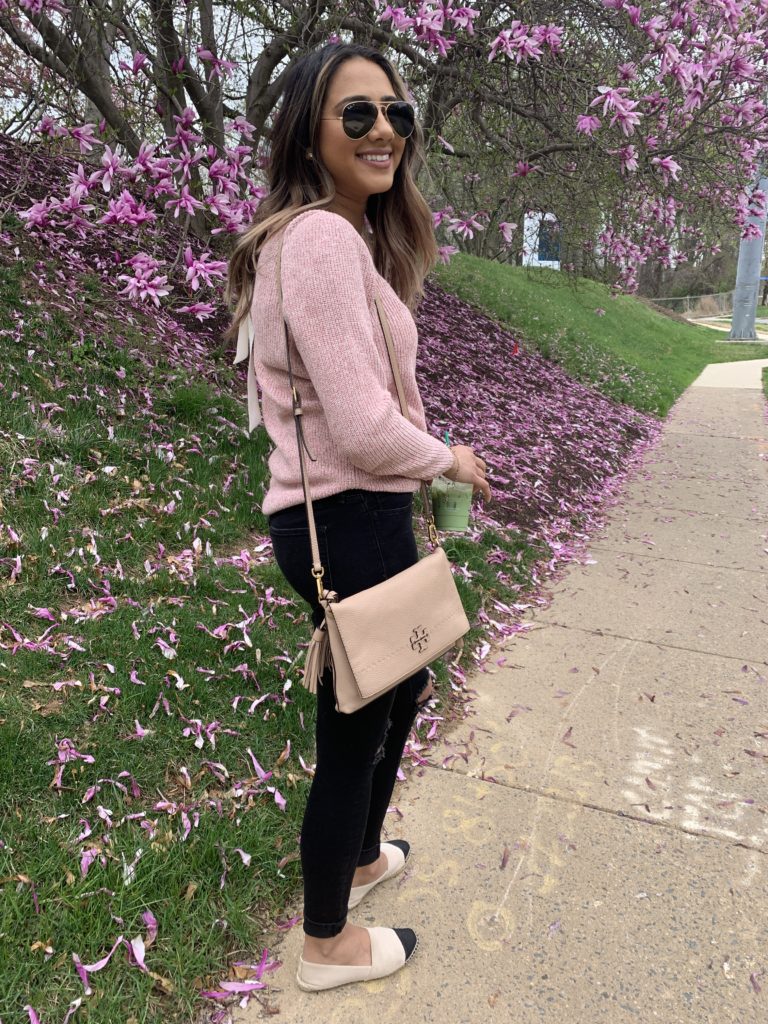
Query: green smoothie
[[451, 503]]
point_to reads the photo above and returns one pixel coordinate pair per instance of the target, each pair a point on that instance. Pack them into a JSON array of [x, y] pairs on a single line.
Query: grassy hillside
[[629, 352]]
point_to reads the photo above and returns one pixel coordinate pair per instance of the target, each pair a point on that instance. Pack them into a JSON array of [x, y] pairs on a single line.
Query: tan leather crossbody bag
[[378, 637]]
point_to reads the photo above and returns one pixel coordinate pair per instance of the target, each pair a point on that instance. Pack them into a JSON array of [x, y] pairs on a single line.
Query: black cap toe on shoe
[[401, 845], [409, 941]]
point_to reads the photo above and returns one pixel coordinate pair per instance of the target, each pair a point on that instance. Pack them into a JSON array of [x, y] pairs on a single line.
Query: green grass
[[127, 547], [632, 353]]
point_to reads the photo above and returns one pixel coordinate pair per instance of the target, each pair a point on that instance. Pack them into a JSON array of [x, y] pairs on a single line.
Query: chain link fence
[[698, 306]]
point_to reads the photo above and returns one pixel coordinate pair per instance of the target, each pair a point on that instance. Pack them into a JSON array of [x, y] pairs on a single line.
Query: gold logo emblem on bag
[[419, 639]]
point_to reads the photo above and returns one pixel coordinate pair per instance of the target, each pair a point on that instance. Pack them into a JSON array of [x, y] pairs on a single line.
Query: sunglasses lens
[[358, 118], [401, 117]]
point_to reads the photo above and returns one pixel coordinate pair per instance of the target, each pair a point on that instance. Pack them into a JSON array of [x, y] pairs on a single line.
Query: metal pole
[[747, 289]]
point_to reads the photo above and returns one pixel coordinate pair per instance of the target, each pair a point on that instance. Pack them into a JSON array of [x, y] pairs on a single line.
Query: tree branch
[[33, 49], [75, 68], [261, 96]]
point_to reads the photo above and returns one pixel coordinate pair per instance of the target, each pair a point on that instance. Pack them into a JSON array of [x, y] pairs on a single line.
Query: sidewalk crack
[[597, 546], [613, 812], [741, 658]]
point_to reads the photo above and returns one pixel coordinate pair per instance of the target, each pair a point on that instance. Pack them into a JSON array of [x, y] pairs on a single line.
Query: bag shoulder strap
[[317, 566]]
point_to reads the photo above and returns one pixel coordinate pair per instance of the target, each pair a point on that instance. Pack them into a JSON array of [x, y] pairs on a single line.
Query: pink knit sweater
[[352, 420]]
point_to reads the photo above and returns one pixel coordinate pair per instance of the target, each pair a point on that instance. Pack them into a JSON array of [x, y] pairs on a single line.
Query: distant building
[[541, 240]]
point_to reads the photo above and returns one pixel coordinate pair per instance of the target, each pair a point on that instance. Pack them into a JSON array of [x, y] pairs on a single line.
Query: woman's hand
[[469, 468]]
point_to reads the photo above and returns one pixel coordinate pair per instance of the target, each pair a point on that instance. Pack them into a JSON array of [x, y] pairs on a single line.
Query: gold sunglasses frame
[[383, 107]]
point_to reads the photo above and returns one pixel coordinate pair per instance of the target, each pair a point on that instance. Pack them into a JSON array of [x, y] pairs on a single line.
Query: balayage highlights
[[404, 247]]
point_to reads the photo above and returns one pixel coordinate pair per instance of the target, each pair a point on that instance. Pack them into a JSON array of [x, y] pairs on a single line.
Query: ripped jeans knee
[[423, 695], [426, 694], [382, 749]]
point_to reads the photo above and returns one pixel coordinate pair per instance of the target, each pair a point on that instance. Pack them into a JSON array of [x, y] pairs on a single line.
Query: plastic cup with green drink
[[451, 502]]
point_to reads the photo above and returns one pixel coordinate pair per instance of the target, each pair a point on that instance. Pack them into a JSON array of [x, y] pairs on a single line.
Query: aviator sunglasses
[[358, 117]]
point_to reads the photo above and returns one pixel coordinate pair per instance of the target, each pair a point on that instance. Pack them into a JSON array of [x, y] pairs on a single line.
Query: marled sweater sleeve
[[325, 304]]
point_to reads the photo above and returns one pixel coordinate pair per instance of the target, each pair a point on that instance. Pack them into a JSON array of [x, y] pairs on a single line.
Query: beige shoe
[[391, 949], [396, 853]]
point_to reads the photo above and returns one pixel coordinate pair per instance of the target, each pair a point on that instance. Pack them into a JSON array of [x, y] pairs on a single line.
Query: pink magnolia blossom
[[654, 27], [752, 230], [398, 17], [186, 162], [462, 17], [241, 125], [143, 162], [144, 283], [140, 60], [627, 72], [667, 166], [627, 117], [126, 210], [507, 230], [612, 99], [550, 35], [51, 128], [185, 201], [628, 158], [438, 216], [518, 43], [587, 124], [39, 214], [200, 310], [523, 168], [66, 752], [465, 226], [202, 268], [84, 183], [757, 203], [83, 134], [227, 67]]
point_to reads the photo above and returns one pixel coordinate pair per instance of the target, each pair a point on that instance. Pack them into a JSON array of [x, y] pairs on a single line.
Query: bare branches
[[26, 44], [75, 66]]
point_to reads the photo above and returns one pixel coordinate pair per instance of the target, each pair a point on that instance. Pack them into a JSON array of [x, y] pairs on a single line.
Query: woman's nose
[[382, 129]]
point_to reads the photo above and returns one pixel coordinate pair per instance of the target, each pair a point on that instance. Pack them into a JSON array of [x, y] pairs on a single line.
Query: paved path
[[601, 856], [724, 327]]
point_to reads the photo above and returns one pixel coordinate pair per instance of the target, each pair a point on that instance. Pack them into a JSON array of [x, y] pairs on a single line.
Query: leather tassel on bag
[[318, 658]]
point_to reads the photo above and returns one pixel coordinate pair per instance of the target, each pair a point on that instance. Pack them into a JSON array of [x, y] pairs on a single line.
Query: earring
[[309, 155]]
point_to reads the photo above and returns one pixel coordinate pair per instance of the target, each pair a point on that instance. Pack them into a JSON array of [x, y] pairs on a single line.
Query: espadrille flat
[[396, 853], [391, 949]]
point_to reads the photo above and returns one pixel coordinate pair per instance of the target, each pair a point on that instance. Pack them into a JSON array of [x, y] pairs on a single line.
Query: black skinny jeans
[[364, 538]]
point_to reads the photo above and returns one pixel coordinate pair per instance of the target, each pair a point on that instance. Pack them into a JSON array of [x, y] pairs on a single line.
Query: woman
[[345, 147]]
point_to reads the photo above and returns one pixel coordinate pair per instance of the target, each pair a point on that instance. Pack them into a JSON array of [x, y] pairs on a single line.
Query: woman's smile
[[377, 158]]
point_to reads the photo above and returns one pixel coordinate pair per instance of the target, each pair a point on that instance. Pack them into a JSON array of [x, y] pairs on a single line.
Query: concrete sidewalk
[[601, 854]]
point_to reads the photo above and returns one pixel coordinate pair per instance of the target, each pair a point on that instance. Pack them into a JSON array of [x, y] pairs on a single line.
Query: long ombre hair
[[404, 248]]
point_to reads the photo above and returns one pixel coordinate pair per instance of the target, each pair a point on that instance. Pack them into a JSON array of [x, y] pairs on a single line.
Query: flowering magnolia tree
[[641, 129]]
